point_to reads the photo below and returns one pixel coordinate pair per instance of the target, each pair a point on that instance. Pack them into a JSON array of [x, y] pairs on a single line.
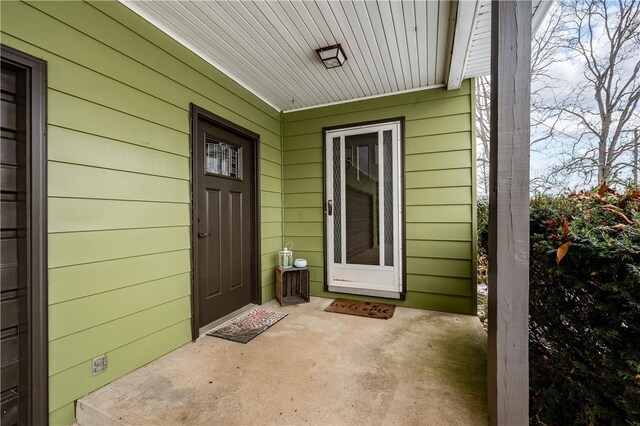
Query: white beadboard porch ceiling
[[391, 45]]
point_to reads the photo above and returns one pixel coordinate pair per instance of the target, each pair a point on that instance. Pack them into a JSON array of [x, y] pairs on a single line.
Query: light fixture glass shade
[[332, 56]]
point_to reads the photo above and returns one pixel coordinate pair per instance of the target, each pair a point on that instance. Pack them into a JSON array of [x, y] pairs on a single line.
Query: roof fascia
[[465, 22]]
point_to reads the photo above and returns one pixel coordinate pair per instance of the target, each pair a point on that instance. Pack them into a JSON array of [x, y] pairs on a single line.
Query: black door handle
[[329, 207], [201, 235]]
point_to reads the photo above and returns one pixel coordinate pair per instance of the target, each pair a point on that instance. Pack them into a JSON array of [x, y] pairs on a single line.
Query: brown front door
[[225, 220], [22, 268]]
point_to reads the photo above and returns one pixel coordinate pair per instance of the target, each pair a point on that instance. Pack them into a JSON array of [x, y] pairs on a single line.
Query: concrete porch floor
[[312, 367]]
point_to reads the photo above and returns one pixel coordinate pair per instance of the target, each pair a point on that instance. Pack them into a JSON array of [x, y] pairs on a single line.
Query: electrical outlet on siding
[[99, 364]]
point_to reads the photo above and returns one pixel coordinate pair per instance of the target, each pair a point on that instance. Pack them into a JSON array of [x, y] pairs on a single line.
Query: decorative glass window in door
[[223, 159]]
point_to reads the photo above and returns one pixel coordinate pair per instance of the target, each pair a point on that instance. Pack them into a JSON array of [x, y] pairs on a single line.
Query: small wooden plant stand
[[292, 285]]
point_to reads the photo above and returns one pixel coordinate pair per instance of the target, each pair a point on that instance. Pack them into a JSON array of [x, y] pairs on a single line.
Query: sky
[[566, 79]]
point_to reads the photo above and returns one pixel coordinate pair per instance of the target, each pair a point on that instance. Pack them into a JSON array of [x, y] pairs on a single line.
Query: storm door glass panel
[[222, 158], [363, 210], [388, 196], [362, 200], [337, 204]]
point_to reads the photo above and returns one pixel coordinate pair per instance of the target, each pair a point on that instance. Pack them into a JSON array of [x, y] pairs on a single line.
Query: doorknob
[[202, 235], [330, 207]]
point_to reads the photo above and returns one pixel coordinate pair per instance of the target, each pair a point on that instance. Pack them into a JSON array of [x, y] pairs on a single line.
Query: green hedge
[[584, 328]]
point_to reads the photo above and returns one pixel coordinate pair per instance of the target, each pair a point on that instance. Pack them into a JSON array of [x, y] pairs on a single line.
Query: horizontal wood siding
[[439, 194], [119, 189]]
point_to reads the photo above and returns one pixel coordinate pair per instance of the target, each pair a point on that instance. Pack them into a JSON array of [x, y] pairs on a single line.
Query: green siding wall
[[439, 193], [119, 215], [119, 242]]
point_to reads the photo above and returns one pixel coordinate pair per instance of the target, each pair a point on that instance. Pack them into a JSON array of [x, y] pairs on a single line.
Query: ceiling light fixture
[[332, 56]]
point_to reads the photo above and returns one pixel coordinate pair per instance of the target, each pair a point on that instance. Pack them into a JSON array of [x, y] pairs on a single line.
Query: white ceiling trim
[[538, 15], [478, 61], [466, 17], [382, 95]]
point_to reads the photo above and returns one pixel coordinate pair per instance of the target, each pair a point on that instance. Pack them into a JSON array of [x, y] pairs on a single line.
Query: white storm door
[[363, 206]]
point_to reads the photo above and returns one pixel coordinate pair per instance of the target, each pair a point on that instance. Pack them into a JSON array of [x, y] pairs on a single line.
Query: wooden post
[[507, 345]]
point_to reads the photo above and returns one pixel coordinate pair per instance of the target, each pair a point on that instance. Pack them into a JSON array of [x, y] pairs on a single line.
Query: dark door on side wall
[[22, 288], [13, 297], [225, 221]]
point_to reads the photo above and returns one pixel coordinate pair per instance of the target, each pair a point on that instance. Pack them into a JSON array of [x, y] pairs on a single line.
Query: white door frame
[[372, 280]]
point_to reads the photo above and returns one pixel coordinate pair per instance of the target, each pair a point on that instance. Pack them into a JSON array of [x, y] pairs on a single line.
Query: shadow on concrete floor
[[312, 367]]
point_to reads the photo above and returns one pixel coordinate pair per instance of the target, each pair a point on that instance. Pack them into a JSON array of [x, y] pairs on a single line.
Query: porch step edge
[[88, 415]]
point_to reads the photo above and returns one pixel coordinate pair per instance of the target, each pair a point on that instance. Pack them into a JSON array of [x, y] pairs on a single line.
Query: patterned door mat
[[361, 309], [246, 326]]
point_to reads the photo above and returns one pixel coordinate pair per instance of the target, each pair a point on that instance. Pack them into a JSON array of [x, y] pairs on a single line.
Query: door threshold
[[207, 328], [387, 294]]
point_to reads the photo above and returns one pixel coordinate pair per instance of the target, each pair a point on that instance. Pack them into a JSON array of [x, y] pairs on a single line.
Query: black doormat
[[361, 309], [246, 326]]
